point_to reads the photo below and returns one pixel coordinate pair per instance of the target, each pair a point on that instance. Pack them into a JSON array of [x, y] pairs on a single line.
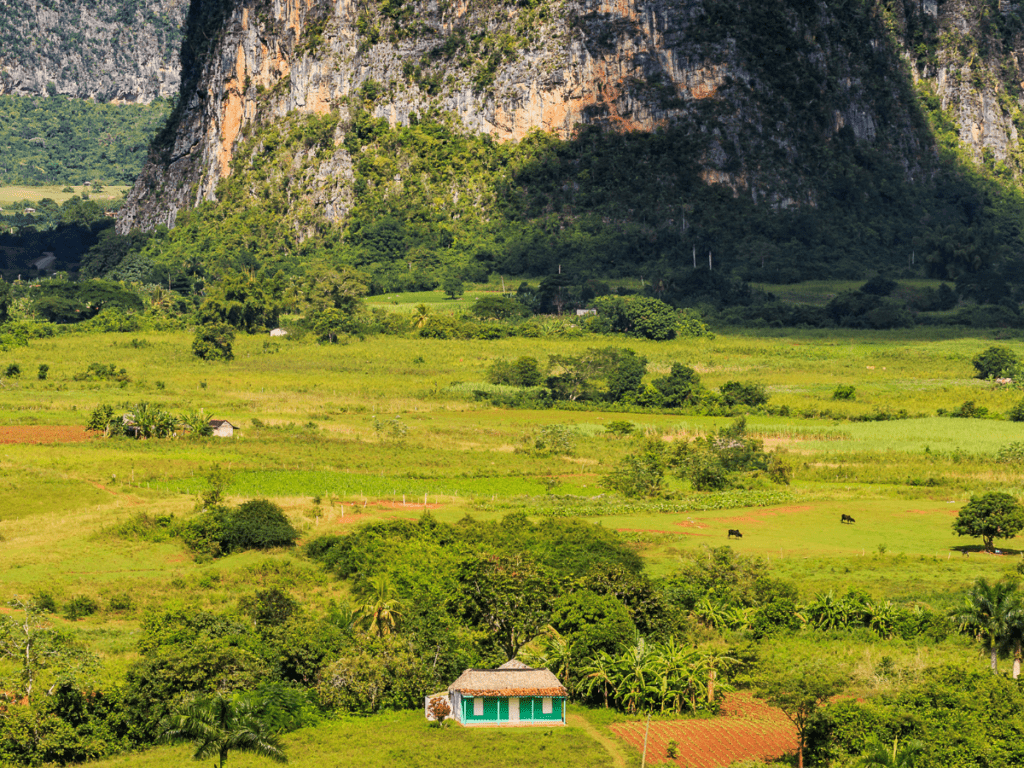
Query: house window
[[478, 707], [545, 705]]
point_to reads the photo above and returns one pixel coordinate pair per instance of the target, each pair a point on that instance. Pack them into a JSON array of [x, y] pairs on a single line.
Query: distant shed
[[222, 428]]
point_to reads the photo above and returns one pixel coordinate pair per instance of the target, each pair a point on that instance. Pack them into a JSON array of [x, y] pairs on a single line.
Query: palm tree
[[1013, 641], [218, 724], [382, 609], [878, 755], [599, 671], [635, 674], [557, 655], [984, 615]]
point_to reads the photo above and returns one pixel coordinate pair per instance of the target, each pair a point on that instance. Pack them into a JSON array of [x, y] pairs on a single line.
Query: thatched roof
[[513, 678]]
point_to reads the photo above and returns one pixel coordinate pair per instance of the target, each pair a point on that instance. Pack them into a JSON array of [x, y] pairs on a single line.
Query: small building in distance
[[513, 694], [222, 428]]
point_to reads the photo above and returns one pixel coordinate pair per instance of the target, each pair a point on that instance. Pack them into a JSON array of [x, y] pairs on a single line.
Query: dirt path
[[618, 759]]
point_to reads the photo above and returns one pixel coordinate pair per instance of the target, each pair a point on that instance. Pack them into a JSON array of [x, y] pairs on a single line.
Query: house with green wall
[[513, 694]]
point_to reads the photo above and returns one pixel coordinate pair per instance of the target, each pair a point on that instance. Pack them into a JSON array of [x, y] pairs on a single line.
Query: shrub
[[44, 369], [13, 371], [844, 392], [258, 524], [620, 428], [968, 410], [121, 603], [995, 362], [214, 341], [738, 393], [79, 607], [1017, 412]]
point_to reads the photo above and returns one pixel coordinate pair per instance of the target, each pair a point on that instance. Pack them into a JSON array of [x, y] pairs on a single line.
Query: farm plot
[[42, 435], [747, 730]]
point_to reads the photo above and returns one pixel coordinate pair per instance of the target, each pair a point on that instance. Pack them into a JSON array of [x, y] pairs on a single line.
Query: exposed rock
[[125, 50]]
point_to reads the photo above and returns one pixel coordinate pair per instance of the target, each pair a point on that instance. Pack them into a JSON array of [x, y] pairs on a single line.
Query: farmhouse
[[222, 428], [512, 694]]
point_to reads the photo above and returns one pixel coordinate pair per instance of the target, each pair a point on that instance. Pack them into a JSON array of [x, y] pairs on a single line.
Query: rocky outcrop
[[119, 50], [506, 69]]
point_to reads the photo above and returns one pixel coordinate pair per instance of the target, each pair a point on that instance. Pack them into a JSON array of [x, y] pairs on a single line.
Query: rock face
[[765, 85], [119, 50]]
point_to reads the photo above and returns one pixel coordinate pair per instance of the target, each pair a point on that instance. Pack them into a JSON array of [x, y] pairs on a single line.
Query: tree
[[986, 613], [879, 755], [5, 301], [995, 362], [799, 687], [509, 597], [213, 342], [991, 516], [30, 642], [382, 608], [681, 387], [218, 724], [452, 285]]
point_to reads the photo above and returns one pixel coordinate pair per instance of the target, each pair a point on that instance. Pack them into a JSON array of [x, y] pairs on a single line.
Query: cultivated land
[[310, 440], [16, 193]]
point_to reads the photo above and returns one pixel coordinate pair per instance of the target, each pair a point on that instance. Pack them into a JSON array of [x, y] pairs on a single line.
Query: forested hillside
[[70, 141]]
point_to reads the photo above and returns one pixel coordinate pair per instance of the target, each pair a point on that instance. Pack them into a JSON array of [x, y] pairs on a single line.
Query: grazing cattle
[[847, 519], [734, 534]]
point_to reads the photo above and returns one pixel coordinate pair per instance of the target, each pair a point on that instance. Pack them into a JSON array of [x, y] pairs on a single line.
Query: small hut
[[512, 694], [222, 428]]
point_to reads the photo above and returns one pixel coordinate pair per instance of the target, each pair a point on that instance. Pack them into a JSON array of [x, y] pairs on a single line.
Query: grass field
[[10, 194], [310, 439]]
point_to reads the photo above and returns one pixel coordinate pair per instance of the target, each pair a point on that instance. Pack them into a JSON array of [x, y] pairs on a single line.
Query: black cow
[[846, 519], [734, 534]]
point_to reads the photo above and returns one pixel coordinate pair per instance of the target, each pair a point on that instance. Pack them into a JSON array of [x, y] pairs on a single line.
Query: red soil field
[[746, 729], [38, 435]]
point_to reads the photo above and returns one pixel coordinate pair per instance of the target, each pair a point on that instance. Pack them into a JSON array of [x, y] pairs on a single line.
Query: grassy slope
[[14, 193], [402, 739], [61, 501]]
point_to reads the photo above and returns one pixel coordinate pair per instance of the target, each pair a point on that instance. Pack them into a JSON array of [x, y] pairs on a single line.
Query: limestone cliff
[[118, 50], [764, 85]]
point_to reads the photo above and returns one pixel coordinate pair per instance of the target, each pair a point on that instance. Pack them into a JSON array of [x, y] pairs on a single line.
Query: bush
[[843, 392], [258, 524], [79, 607], [121, 603], [13, 371], [44, 369], [995, 363], [214, 341], [968, 410], [1017, 412], [738, 393]]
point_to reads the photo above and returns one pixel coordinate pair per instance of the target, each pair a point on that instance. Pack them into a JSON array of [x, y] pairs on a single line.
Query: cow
[[734, 534], [846, 519]]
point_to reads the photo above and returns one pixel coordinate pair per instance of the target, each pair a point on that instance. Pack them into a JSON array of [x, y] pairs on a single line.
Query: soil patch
[[42, 435], [747, 729]]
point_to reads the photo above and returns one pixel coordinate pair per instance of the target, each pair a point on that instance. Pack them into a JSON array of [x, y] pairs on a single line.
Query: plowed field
[[747, 729], [37, 435]]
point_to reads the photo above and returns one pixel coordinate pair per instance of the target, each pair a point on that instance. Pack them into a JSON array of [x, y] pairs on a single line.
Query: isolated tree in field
[[909, 754], [990, 517], [987, 613], [799, 687], [219, 724], [452, 285], [214, 341], [995, 362]]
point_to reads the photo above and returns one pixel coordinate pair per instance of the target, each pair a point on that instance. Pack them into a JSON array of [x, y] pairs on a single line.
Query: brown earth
[[40, 435]]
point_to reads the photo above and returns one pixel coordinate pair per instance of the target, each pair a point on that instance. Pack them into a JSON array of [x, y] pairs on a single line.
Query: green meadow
[[388, 428]]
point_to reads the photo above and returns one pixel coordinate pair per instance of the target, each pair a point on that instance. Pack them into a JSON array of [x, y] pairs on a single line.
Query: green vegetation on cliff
[[71, 141]]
